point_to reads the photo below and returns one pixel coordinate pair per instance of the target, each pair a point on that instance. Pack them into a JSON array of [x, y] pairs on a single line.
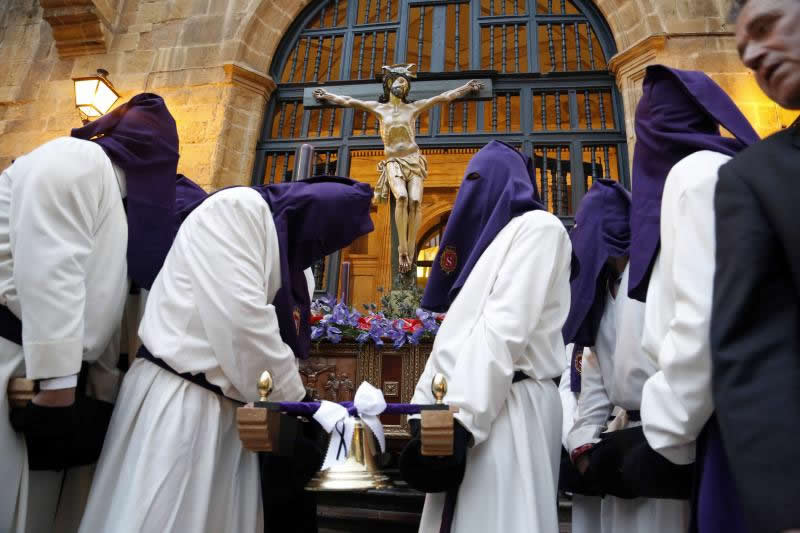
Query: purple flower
[[340, 315], [376, 332], [415, 337], [352, 318], [399, 342], [328, 300], [396, 334], [334, 334], [428, 321]]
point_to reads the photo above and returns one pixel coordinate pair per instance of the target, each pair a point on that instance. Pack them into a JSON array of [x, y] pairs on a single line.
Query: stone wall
[[185, 50], [210, 60]]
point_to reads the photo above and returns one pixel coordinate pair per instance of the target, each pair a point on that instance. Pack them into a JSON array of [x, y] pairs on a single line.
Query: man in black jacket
[[755, 330]]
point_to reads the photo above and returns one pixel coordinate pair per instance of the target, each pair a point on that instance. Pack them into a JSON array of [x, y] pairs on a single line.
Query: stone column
[[629, 68], [244, 99]]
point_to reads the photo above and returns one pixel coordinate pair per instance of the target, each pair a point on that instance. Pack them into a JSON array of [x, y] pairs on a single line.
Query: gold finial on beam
[[264, 385], [439, 388], [436, 424]]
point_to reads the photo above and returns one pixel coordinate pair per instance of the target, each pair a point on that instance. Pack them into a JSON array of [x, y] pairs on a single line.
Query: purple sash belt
[[309, 408], [197, 379], [10, 326]]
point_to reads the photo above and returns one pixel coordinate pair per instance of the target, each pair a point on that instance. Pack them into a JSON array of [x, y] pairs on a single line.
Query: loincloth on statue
[[411, 166]]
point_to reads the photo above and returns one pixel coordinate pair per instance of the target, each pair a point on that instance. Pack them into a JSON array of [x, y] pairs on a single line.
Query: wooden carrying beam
[[436, 430], [20, 391], [263, 428], [259, 428]]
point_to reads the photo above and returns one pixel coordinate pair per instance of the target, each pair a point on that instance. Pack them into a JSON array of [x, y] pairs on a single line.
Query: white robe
[[614, 377], [585, 509], [63, 271], [172, 460], [676, 400], [507, 317]]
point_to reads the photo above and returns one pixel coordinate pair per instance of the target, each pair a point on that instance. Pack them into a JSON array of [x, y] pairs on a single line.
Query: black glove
[[624, 440], [606, 459], [60, 437], [651, 475], [434, 474], [283, 475], [93, 418], [49, 433], [288, 508], [571, 480]]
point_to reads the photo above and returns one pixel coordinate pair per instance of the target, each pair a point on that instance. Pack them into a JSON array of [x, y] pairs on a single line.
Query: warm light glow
[[426, 254], [105, 97], [85, 90], [89, 111], [94, 95]]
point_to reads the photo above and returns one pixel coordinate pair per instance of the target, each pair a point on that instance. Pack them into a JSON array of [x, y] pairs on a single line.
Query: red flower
[[410, 324], [315, 318], [364, 323]]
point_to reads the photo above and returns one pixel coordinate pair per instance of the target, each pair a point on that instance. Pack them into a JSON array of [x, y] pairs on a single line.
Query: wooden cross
[[419, 90]]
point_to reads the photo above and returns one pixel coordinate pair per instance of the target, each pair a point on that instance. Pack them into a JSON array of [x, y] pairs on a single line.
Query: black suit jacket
[[755, 327]]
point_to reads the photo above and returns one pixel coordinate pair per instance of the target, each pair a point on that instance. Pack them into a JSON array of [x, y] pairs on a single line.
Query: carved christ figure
[[404, 170]]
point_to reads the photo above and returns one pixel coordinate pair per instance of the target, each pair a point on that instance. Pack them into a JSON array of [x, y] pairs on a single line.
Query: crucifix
[[404, 169]]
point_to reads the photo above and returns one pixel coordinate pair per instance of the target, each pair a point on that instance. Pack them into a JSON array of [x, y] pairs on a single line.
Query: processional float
[[271, 427]]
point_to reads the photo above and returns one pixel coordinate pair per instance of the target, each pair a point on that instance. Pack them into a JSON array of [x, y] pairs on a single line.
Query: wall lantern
[[94, 95]]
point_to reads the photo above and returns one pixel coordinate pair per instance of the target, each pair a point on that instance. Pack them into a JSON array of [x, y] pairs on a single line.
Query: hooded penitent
[[187, 193], [141, 138], [680, 113], [498, 185], [601, 232], [313, 218]]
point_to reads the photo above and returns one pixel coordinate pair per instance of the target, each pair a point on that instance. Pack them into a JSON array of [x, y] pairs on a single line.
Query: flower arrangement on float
[[334, 322]]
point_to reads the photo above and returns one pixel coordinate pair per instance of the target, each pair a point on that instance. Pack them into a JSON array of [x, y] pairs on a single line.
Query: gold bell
[[358, 472]]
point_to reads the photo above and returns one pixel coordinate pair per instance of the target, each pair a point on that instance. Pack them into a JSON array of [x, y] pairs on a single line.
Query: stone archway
[[263, 30], [433, 214], [630, 21], [690, 34]]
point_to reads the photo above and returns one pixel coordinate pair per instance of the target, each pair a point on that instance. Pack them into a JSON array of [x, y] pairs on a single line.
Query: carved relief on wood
[[328, 373], [311, 369], [334, 371]]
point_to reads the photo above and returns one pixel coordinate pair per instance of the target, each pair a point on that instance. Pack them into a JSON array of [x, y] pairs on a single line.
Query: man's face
[[400, 87], [768, 40]]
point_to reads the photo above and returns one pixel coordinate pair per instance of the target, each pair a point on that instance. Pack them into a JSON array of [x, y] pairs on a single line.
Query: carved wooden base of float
[[334, 371]]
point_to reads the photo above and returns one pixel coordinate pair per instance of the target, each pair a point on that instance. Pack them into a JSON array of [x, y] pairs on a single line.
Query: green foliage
[[400, 303]]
